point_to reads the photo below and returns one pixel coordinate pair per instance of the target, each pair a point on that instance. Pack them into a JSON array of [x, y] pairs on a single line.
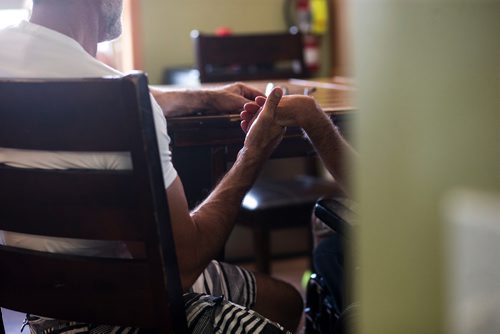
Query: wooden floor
[[290, 270]]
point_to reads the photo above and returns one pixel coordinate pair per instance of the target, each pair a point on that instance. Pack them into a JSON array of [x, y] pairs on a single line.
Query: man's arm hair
[[224, 99], [335, 152], [201, 235]]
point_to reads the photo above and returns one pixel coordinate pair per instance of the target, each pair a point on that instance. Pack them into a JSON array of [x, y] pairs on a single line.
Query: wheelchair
[[322, 315]]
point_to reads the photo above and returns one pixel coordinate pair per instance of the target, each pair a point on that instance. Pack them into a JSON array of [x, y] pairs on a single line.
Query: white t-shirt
[[33, 51]]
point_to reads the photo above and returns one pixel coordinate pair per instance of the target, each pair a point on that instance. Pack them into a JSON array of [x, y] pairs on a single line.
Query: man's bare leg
[[278, 301]]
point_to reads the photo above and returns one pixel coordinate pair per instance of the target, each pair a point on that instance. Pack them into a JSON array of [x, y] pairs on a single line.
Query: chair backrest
[[249, 56], [105, 115]]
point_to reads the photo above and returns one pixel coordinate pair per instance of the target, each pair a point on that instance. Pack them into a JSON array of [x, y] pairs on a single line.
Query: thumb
[[272, 101]]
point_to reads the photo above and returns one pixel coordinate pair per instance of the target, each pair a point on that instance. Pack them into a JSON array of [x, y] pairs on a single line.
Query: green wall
[[167, 24], [429, 78]]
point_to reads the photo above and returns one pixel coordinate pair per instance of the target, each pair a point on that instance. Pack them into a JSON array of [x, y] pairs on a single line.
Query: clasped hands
[[266, 119], [292, 110]]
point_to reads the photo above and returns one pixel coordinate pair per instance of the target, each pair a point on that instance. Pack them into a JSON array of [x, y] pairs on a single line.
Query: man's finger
[[250, 92], [246, 115], [251, 107], [244, 125], [272, 102], [260, 100]]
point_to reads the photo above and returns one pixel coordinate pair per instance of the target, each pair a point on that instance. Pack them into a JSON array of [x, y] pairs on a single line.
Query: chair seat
[[279, 204], [273, 194]]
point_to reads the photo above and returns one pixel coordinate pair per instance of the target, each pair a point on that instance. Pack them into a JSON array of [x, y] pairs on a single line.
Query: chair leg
[[261, 238], [2, 328], [310, 247]]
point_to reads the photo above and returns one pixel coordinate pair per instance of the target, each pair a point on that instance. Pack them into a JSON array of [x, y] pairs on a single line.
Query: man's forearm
[[337, 155], [181, 102], [215, 217]]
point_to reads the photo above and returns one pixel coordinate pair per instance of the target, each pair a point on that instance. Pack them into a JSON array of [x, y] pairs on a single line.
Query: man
[[337, 156], [60, 41]]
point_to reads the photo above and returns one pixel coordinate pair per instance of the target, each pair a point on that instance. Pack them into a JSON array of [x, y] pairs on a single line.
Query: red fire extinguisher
[[312, 54]]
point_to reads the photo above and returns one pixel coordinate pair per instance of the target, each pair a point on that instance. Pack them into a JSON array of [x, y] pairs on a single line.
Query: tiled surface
[[288, 270]]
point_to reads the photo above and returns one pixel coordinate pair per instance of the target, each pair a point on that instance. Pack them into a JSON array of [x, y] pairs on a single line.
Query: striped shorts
[[218, 302]]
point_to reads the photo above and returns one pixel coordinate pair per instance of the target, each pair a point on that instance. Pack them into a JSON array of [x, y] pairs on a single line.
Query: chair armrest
[[337, 213]]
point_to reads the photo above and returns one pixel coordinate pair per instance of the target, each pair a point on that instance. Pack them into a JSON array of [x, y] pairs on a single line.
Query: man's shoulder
[[37, 51]]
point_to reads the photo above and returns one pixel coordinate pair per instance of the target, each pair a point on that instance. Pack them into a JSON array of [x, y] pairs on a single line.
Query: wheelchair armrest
[[337, 213]]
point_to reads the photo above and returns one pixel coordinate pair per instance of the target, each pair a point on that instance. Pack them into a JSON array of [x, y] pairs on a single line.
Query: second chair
[[249, 56]]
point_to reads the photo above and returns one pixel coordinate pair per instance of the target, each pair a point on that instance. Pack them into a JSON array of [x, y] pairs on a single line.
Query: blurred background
[[157, 33], [428, 96]]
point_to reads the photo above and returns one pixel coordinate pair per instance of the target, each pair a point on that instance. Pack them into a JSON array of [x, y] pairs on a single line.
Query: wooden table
[[203, 146]]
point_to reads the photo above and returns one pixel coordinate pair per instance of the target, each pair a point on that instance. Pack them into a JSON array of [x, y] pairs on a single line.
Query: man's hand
[[293, 110], [231, 98], [303, 111], [263, 132]]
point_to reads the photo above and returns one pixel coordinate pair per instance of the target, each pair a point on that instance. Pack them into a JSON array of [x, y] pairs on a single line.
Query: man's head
[[110, 12], [104, 15]]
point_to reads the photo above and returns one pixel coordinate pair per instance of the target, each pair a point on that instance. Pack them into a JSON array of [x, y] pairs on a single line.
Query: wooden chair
[[112, 114], [268, 205], [249, 56]]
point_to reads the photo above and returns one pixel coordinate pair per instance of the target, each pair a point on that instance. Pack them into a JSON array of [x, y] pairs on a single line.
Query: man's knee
[[279, 301]]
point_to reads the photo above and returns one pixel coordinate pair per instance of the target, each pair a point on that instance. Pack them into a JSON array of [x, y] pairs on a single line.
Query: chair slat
[[74, 204], [249, 56], [113, 286], [48, 187], [277, 47], [65, 124], [94, 223]]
